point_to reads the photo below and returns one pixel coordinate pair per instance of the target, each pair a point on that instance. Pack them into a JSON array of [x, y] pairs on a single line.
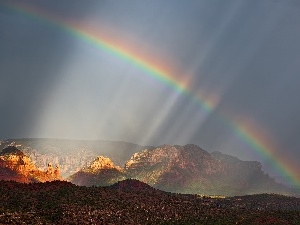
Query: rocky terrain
[[15, 165], [101, 172], [71, 155], [178, 169], [184, 169], [133, 202]]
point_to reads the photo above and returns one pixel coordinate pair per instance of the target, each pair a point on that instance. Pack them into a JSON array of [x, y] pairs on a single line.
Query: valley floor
[[61, 202]]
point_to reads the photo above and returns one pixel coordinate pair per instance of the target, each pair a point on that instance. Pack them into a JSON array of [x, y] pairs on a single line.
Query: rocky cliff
[[190, 169], [101, 163], [71, 155], [184, 169], [15, 165], [101, 172]]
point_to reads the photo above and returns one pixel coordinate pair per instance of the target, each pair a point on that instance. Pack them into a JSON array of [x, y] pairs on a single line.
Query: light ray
[[244, 130]]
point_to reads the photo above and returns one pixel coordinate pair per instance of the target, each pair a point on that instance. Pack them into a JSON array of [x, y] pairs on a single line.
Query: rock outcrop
[[101, 163], [183, 169], [12, 158], [71, 155], [15, 165], [101, 172], [190, 169]]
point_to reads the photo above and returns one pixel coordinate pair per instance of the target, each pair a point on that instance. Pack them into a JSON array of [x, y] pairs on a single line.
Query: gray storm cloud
[[53, 84]]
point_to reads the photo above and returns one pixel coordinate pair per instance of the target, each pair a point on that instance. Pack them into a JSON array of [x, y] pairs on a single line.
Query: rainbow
[[251, 134]]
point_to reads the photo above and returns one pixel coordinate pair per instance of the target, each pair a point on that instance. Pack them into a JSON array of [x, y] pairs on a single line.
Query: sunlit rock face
[[173, 168], [14, 159], [169, 167], [101, 172], [190, 169], [101, 163], [183, 169], [71, 155], [15, 165]]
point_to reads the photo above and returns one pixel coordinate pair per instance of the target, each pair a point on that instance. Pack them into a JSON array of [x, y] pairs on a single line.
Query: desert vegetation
[[133, 202]]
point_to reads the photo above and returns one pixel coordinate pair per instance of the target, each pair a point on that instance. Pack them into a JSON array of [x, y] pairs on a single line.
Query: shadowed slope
[[64, 203]]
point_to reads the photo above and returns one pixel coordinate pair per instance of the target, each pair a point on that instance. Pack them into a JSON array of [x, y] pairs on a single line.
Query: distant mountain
[[188, 169], [181, 169], [72, 155], [15, 165]]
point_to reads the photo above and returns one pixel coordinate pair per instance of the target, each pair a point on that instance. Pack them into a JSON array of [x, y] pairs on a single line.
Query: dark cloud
[[246, 52], [30, 60]]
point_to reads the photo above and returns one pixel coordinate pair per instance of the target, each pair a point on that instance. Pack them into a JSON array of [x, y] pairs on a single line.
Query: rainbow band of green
[[264, 152], [250, 138], [149, 69]]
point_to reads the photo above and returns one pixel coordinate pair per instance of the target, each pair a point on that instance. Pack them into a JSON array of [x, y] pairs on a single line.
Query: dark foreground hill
[[61, 202]]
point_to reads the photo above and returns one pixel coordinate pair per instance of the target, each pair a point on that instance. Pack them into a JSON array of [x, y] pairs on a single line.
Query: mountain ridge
[[190, 169], [72, 155], [172, 168]]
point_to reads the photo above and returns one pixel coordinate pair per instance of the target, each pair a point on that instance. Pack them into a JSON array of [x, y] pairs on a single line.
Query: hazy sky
[[246, 53]]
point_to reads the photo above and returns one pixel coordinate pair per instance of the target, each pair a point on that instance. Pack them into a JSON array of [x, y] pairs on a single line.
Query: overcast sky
[[246, 52]]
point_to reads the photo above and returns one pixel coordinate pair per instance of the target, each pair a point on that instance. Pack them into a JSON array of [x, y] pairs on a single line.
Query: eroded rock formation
[[184, 169], [101, 172], [15, 165]]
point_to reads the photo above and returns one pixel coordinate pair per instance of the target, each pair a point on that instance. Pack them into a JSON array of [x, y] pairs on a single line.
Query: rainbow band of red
[[247, 133]]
